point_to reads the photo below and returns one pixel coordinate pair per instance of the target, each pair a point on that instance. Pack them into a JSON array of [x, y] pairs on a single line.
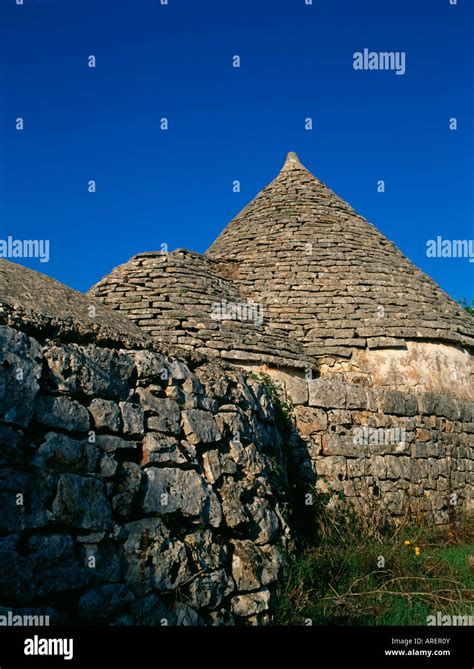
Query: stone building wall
[[135, 487], [415, 366], [399, 452]]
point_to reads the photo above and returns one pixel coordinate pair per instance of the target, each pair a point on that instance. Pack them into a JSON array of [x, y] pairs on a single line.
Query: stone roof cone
[[327, 276]]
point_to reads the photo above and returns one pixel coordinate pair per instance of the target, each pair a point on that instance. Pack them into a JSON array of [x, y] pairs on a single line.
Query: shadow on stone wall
[[136, 488]]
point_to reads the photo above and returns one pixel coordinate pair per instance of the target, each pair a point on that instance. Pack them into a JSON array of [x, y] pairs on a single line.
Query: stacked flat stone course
[[414, 459], [171, 296]]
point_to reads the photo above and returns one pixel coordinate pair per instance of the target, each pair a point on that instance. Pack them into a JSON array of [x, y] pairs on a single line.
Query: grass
[[355, 574]]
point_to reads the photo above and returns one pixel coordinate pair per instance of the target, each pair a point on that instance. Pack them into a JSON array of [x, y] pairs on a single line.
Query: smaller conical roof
[[184, 298]]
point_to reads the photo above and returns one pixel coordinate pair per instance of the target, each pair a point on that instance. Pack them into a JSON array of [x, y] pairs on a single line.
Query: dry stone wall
[[135, 487]]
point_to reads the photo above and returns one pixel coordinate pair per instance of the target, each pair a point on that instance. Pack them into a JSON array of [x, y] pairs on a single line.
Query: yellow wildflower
[[417, 551], [407, 542]]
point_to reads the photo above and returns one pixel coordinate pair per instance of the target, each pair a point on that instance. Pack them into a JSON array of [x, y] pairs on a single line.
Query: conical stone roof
[[328, 277]]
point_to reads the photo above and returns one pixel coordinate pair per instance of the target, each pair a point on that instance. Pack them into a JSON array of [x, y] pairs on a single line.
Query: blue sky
[[227, 124]]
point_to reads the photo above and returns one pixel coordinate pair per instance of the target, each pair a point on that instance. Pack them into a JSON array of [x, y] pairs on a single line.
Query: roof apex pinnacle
[[292, 162]]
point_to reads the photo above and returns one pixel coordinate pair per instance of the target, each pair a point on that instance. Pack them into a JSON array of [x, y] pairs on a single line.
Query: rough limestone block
[[398, 403], [166, 418], [422, 435], [206, 552], [169, 490], [107, 465], [250, 604], [103, 602], [393, 502], [213, 513], [111, 443], [386, 342], [356, 397], [16, 517], [205, 403], [81, 503], [90, 370], [61, 454], [133, 418], [435, 500], [255, 462], [398, 467], [466, 410], [200, 427], [341, 444], [340, 417], [152, 560], [265, 519], [443, 466], [357, 467], [233, 508], [106, 415], [254, 566], [151, 366], [193, 386], [209, 590], [61, 412], [166, 450], [426, 450], [127, 487], [212, 466], [56, 567], [232, 421], [439, 405], [179, 371], [20, 365], [310, 420], [327, 394], [296, 390], [378, 466], [331, 467]]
